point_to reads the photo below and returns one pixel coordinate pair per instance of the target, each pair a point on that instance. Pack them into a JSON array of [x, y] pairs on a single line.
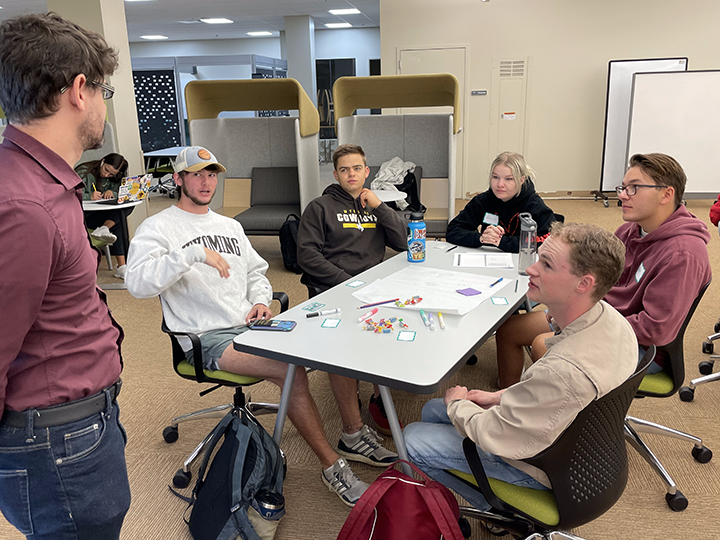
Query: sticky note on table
[[469, 292]]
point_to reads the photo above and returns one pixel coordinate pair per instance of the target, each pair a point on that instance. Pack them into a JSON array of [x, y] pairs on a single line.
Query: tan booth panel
[[394, 91], [207, 99]]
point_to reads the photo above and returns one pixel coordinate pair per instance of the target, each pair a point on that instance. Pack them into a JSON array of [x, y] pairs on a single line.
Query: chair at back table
[[687, 393], [218, 379], [587, 467], [665, 384]]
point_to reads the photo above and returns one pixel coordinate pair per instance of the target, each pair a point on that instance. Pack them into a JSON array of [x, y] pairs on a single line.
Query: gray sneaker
[[364, 446], [341, 480]]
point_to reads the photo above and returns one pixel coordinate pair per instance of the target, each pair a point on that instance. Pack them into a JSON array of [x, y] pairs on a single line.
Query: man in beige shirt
[[593, 351]]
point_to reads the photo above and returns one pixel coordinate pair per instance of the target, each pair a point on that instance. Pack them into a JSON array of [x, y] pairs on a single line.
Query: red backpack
[[397, 506]]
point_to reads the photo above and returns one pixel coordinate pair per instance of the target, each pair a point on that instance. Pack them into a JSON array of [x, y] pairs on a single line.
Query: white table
[[99, 206], [387, 195], [420, 366]]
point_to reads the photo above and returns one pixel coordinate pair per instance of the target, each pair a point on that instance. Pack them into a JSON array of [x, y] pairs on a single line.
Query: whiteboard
[[617, 112], [679, 114]]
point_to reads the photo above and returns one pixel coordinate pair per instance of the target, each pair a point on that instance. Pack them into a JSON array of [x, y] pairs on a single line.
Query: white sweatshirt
[[167, 258]]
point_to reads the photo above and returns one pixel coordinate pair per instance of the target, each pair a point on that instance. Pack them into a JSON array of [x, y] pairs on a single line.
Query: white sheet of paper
[[438, 289], [483, 260]]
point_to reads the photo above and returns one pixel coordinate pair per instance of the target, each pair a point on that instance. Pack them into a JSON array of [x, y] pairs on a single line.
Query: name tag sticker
[[355, 283], [406, 335], [499, 301], [491, 219], [640, 272], [313, 307], [330, 323]]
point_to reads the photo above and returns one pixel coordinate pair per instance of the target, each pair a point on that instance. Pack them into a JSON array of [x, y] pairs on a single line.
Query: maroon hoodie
[[663, 274]]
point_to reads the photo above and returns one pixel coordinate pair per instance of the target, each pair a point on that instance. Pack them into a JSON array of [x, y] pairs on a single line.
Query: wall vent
[[512, 68]]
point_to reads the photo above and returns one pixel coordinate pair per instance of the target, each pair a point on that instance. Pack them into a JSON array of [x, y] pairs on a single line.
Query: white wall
[[264, 46], [569, 43], [363, 44]]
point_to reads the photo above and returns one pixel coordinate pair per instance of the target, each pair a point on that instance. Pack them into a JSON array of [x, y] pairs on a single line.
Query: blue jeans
[[434, 445], [66, 482]]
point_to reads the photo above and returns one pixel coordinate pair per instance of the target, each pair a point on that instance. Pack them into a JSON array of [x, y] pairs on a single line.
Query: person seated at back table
[[666, 265], [492, 217], [177, 254], [341, 234], [102, 181], [593, 351]]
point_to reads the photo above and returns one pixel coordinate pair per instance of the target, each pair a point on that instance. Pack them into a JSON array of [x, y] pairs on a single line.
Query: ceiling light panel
[[351, 11], [216, 20], [339, 25]]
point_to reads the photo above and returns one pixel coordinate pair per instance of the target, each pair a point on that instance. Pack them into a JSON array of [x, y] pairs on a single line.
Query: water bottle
[[271, 508], [528, 243], [416, 238]]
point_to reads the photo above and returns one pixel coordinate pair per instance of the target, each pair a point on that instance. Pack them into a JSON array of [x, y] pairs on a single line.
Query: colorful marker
[[424, 318], [441, 320], [498, 281], [432, 322], [379, 303], [368, 315]]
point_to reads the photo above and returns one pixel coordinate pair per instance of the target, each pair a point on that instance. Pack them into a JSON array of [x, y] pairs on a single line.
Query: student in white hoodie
[[211, 281]]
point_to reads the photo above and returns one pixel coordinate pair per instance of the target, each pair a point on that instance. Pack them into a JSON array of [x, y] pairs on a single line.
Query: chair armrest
[[179, 354], [283, 299]]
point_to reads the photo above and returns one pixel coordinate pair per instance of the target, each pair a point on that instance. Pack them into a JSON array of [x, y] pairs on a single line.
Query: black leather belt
[[65, 413]]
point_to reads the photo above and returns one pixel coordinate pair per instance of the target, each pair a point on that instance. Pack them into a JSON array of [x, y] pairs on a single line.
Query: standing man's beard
[[91, 140], [184, 192]]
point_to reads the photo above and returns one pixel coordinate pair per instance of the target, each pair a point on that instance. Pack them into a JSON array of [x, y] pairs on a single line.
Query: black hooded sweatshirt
[[338, 238], [463, 229]]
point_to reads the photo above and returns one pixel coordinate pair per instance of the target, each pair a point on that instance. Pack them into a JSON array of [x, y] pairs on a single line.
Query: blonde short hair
[[516, 163]]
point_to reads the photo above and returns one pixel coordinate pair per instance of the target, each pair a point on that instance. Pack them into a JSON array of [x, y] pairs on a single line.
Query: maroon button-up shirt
[[58, 341]]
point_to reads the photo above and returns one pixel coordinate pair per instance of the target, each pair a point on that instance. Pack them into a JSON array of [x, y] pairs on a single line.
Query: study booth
[[279, 155], [427, 139]]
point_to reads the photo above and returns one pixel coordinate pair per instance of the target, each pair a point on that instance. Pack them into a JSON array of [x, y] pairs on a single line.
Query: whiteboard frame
[[687, 128], [617, 112]]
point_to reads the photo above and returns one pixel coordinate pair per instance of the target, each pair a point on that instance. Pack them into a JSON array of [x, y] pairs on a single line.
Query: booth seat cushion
[[274, 186], [266, 218]]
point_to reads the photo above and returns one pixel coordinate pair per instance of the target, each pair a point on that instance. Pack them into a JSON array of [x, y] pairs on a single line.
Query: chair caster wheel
[[707, 347], [705, 367], [170, 434], [686, 393], [717, 327], [182, 479], [677, 502], [702, 455], [465, 527], [472, 360]]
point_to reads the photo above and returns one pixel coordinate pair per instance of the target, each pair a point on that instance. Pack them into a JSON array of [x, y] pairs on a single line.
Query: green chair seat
[[657, 383], [187, 370], [536, 503]]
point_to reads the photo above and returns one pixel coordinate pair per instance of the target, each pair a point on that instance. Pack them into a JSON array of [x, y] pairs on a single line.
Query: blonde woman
[[492, 217]]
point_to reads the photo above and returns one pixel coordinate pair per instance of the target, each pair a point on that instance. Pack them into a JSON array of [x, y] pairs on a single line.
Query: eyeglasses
[[107, 91], [631, 189]]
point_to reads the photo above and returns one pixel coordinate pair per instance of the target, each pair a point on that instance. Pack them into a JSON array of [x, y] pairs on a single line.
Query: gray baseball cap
[[195, 158]]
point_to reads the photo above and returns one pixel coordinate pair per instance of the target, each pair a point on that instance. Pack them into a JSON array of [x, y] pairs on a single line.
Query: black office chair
[[196, 372], [587, 467], [665, 384], [687, 393]]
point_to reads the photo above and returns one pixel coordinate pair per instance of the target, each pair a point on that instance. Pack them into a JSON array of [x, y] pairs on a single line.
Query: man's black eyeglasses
[[631, 189], [107, 91]]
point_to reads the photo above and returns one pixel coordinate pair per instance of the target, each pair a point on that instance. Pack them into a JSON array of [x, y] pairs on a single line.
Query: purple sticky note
[[469, 291]]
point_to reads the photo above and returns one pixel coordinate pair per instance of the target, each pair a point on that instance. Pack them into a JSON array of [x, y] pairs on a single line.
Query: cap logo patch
[[203, 154]]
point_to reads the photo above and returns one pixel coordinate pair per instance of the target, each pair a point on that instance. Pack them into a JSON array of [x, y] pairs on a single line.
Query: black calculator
[[272, 324]]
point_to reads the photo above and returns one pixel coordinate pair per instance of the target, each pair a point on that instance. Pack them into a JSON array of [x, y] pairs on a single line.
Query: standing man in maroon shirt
[[62, 448]]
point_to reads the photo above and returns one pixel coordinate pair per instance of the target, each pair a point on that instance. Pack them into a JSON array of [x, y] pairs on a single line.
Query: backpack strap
[[215, 437], [442, 513]]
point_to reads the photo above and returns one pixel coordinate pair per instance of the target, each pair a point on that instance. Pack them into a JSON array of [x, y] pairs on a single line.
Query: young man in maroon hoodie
[[666, 264]]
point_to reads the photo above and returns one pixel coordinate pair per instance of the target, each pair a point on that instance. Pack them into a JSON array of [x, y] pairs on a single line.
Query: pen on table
[[441, 320], [498, 281], [516, 282], [378, 303], [323, 313], [432, 322], [450, 249], [368, 314], [426, 322]]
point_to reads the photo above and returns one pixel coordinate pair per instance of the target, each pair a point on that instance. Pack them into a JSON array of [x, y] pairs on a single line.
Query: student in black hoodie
[[492, 217], [342, 233]]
